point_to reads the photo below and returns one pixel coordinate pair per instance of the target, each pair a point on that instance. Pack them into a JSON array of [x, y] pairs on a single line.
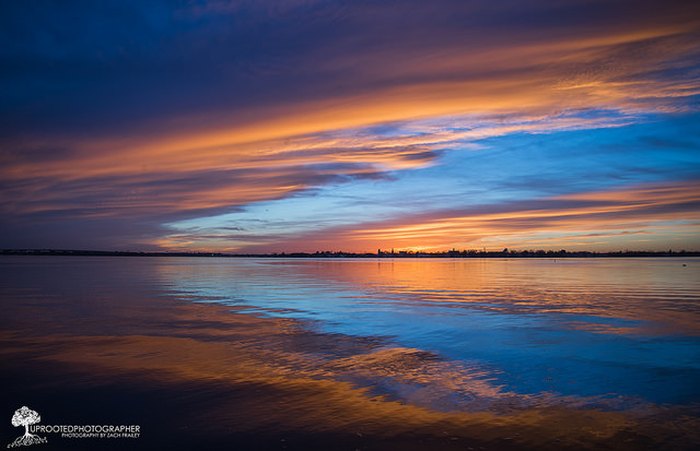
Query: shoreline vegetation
[[454, 253]]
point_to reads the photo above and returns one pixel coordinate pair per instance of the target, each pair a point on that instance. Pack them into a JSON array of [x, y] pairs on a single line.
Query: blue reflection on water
[[530, 352]]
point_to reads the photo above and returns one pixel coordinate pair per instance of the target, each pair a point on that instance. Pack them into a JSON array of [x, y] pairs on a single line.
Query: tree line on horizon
[[453, 253]]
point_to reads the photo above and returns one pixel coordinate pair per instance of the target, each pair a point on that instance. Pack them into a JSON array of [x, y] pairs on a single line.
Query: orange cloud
[[532, 80], [572, 221]]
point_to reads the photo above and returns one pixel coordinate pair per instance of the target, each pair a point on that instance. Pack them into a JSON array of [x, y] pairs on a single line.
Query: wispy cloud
[[208, 108], [579, 220]]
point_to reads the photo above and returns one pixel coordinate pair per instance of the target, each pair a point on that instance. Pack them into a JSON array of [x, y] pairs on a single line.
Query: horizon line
[[453, 253]]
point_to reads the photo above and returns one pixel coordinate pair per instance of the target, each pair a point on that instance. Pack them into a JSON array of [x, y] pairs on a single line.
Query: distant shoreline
[[339, 254]]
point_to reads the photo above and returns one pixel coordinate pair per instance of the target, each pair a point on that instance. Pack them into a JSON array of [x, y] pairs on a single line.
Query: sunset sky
[[303, 125]]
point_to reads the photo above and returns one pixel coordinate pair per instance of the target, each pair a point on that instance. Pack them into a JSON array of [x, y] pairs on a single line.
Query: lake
[[264, 353]]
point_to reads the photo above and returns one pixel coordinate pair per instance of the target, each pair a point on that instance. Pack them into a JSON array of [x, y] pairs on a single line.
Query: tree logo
[[25, 416]]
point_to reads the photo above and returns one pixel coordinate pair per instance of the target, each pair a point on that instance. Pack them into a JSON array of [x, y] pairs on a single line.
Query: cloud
[[572, 221], [170, 110]]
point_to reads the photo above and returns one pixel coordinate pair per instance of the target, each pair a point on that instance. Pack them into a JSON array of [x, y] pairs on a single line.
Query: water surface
[[507, 353]]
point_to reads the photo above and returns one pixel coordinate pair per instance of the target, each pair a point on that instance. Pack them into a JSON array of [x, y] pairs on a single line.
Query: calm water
[[586, 328], [464, 336]]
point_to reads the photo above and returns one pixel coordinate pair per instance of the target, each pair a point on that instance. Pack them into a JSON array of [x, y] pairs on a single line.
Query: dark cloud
[[118, 116], [86, 66]]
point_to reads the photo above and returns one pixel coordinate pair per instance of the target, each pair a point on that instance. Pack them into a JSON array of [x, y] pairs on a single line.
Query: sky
[[304, 125]]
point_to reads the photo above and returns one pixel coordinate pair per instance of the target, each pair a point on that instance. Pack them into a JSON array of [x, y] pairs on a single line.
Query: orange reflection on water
[[656, 291], [256, 374], [295, 389]]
